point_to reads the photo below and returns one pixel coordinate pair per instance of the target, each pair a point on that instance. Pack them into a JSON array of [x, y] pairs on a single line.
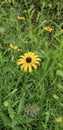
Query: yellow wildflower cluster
[[14, 47], [20, 17], [49, 29], [8, 0], [62, 30], [59, 119], [6, 103]]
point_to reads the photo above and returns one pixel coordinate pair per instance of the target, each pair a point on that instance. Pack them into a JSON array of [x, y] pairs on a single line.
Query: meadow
[[31, 65]]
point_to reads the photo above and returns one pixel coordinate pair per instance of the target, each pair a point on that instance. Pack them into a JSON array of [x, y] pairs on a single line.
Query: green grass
[[30, 95]]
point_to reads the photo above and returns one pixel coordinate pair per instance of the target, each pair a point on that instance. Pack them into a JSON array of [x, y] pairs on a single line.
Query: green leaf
[[60, 87], [2, 30], [17, 128], [5, 119], [14, 122], [60, 73], [21, 104], [11, 112], [26, 120], [61, 104]]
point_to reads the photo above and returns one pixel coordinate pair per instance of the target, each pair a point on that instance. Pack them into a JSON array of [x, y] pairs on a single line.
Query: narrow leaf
[[11, 112], [60, 73]]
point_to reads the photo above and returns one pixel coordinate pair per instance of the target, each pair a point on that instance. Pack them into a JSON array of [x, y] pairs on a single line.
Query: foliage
[[30, 96]]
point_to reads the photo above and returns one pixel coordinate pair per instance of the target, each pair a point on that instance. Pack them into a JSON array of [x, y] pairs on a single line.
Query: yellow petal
[[23, 57], [21, 61], [30, 68], [22, 67], [36, 62], [36, 59], [25, 68], [34, 66]]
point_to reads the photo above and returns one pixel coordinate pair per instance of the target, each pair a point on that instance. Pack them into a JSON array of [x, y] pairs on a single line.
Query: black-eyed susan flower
[[59, 119], [6, 103], [28, 61], [49, 29], [20, 17]]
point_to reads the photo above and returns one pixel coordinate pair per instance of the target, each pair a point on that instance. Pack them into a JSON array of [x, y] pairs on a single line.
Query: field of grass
[[31, 98]]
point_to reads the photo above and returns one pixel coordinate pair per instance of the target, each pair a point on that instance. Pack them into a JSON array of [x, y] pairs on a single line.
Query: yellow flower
[[49, 29], [13, 47], [59, 119], [19, 49], [8, 0], [62, 30], [6, 103], [20, 17], [55, 96], [28, 61]]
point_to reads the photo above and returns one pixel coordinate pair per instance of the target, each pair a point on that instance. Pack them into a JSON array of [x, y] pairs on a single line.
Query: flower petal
[[30, 68], [34, 66], [20, 62], [36, 62], [25, 68]]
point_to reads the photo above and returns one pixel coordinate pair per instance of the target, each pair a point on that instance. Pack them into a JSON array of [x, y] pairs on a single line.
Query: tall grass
[[35, 100]]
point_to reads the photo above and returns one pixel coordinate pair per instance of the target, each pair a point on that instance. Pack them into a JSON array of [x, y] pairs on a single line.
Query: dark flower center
[[28, 59]]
